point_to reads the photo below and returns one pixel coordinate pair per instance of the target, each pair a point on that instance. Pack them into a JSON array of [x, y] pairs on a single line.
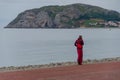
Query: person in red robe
[[79, 45]]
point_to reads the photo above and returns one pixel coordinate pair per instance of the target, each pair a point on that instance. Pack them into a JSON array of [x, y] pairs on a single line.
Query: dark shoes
[[79, 63]]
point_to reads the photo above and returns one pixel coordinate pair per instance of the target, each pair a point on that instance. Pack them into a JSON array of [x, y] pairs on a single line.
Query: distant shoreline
[[30, 67], [67, 28]]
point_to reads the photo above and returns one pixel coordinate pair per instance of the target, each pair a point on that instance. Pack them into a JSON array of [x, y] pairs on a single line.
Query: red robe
[[79, 44]]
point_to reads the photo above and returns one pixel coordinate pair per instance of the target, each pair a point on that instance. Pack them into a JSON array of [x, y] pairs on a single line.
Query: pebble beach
[[51, 65]]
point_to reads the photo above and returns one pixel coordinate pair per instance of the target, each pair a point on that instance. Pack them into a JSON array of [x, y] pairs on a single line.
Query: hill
[[68, 16]]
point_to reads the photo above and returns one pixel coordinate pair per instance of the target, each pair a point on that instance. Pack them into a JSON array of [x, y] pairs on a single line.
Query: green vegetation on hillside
[[67, 16]]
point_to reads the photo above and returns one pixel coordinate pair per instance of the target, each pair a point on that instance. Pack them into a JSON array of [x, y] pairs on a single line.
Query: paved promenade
[[100, 71]]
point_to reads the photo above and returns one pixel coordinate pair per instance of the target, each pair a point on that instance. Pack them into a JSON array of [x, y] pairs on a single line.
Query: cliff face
[[69, 16]]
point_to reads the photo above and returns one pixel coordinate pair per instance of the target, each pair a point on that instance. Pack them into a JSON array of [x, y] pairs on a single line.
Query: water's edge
[[22, 47], [30, 67]]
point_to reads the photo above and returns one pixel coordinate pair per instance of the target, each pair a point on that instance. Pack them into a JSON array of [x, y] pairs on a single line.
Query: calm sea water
[[19, 47]]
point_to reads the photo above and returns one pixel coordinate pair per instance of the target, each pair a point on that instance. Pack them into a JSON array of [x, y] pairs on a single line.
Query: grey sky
[[9, 9]]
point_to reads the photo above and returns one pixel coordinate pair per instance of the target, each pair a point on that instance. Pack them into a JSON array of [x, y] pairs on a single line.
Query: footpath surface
[[99, 71]]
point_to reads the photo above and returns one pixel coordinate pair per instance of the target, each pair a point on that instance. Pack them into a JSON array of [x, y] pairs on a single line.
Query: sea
[[21, 47]]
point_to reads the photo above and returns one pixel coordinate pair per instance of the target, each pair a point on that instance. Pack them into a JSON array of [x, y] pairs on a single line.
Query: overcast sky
[[9, 9]]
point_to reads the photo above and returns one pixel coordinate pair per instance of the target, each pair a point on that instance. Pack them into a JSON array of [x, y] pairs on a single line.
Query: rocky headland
[[67, 16]]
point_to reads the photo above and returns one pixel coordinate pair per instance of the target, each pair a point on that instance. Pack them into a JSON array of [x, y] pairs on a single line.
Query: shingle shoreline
[[29, 67]]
